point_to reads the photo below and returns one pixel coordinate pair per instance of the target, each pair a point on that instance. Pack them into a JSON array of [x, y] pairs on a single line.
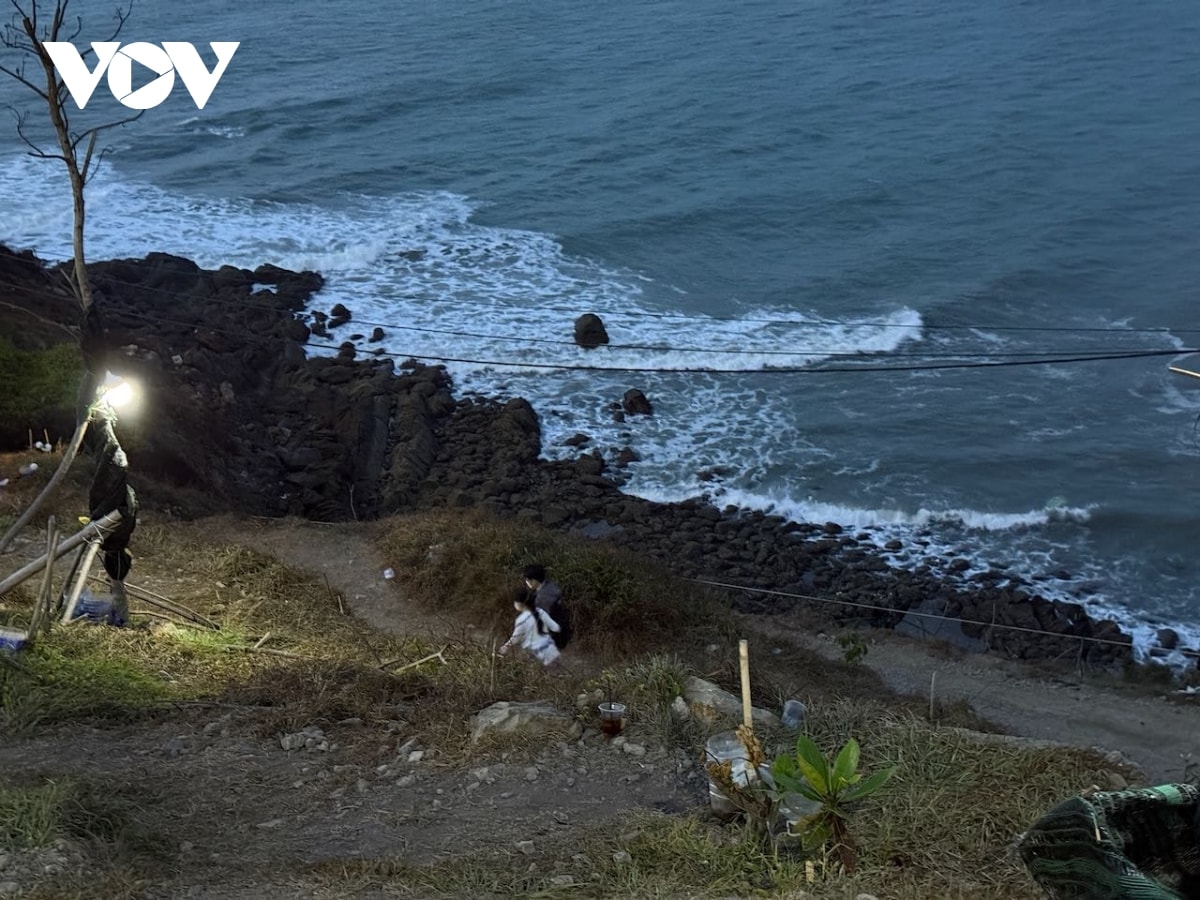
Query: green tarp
[[1119, 845]]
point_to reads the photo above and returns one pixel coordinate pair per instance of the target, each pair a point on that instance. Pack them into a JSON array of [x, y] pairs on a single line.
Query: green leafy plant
[[818, 795], [853, 646]]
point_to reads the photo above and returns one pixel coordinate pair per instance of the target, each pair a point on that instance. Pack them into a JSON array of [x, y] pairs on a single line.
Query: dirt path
[[1155, 731], [245, 818]]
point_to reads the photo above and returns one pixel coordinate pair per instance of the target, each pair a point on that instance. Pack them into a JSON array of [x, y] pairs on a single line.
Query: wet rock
[[590, 331], [634, 402]]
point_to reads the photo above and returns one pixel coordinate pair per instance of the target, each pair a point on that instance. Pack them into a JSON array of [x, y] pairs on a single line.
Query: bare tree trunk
[[76, 172]]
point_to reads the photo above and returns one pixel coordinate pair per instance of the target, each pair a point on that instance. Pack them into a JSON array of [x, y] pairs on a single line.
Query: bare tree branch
[[73, 332], [41, 23]]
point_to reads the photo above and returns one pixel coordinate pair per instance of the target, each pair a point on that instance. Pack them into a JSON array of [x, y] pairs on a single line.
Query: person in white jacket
[[533, 631]]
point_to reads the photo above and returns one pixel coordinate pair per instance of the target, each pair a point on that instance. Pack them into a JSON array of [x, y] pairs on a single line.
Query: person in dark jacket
[[547, 596]]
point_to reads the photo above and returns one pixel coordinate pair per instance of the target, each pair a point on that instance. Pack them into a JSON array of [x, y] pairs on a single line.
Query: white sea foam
[[503, 301]]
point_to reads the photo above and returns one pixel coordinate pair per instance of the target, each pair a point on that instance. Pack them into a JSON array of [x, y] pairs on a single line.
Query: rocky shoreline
[[237, 416]]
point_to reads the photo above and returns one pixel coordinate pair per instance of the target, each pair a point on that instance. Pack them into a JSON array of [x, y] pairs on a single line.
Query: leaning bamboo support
[[99, 529], [88, 558], [59, 474], [41, 606]]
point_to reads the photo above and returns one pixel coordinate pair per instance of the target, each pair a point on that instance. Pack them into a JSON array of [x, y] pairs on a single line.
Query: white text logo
[[165, 61]]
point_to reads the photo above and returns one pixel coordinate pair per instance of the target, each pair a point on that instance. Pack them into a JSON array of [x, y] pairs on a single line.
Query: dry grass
[[621, 605], [942, 827]]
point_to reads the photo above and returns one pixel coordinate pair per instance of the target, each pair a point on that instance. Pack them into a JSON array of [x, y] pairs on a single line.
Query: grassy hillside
[[287, 650]]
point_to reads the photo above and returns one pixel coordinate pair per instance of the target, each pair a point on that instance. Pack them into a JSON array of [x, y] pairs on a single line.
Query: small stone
[[679, 709], [866, 897], [532, 773], [634, 749], [525, 847], [1117, 782], [406, 746], [617, 742], [273, 823], [563, 880], [416, 756], [406, 781], [622, 857], [361, 786], [793, 716]]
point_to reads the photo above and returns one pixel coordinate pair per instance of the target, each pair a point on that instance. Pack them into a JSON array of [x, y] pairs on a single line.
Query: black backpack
[[562, 617]]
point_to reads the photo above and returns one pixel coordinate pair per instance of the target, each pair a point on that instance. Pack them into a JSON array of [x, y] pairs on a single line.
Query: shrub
[[619, 603], [41, 392]]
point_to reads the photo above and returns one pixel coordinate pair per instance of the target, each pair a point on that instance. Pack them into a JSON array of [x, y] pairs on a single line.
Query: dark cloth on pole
[[111, 491]]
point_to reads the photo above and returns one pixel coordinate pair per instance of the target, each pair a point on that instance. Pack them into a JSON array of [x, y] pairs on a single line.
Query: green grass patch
[[32, 816], [38, 382], [646, 855], [78, 672]]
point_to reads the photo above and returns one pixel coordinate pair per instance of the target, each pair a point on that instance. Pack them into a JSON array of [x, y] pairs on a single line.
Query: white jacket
[[526, 635]]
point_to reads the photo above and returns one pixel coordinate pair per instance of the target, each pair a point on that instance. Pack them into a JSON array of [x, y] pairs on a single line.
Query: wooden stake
[[744, 658]]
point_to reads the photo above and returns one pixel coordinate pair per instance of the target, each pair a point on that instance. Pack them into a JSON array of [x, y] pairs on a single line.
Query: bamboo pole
[[41, 607], [100, 529], [744, 659], [88, 559], [59, 474]]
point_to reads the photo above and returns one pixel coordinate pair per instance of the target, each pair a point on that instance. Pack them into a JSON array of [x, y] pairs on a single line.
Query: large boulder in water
[[590, 332]]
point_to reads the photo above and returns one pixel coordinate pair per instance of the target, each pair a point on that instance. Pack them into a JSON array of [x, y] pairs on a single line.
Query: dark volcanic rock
[[635, 403], [235, 412], [590, 332]]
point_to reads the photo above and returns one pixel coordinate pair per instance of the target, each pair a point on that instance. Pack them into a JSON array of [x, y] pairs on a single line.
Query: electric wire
[[707, 370], [924, 615], [994, 359], [821, 323]]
